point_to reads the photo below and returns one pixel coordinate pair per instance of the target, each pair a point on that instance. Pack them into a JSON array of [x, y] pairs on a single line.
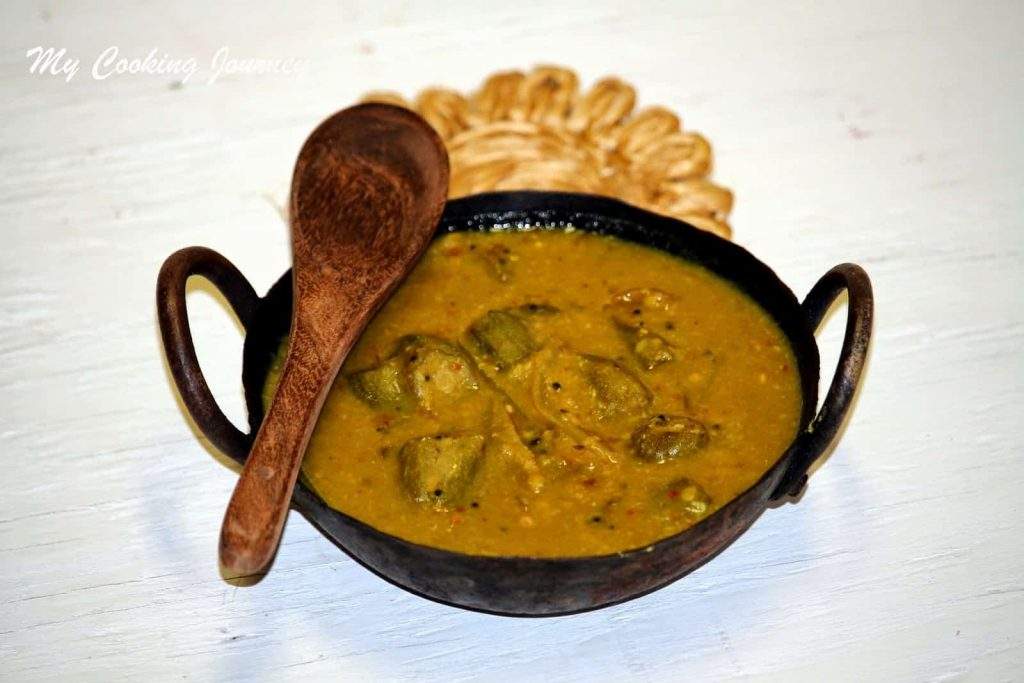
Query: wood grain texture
[[885, 134], [367, 192]]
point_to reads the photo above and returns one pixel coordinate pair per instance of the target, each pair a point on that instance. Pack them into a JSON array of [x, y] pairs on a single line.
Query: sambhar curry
[[552, 393]]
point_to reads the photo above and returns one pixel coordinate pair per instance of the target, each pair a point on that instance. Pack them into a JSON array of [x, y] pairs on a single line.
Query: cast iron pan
[[527, 586]]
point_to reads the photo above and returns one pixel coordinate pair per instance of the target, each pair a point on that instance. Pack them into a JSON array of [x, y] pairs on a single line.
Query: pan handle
[[813, 442], [177, 338]]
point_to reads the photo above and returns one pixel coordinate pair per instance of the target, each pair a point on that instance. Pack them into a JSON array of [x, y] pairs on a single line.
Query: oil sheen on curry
[[553, 393]]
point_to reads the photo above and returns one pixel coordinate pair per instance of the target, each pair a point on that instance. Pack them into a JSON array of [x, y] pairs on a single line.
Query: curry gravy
[[552, 393]]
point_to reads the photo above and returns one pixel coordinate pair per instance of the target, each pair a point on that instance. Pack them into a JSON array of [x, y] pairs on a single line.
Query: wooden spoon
[[368, 190]]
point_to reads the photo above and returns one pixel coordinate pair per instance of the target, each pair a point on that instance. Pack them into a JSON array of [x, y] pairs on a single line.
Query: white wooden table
[[887, 134]]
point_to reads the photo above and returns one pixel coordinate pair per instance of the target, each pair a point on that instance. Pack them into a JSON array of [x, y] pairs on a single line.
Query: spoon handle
[[258, 508]]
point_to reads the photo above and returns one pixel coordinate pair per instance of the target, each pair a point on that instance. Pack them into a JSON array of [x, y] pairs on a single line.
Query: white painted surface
[[888, 134]]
